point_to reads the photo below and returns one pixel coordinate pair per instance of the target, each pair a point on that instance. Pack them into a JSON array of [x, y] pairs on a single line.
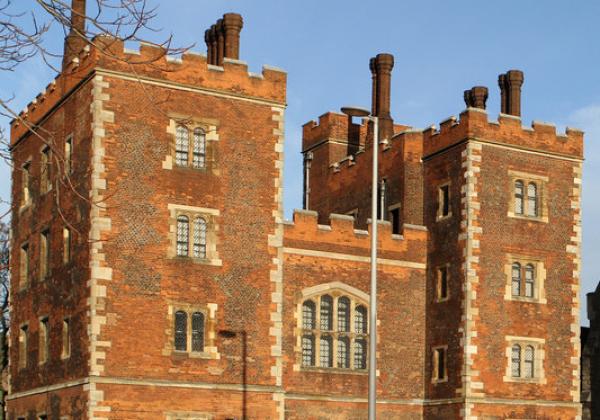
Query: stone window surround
[[210, 335], [210, 127], [65, 352], [335, 290], [46, 156], [68, 155], [440, 208], [539, 291], [438, 283], [435, 366], [45, 253], [539, 356], [526, 177], [211, 217], [24, 266], [390, 209]]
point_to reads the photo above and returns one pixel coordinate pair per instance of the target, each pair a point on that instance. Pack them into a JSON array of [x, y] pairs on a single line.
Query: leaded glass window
[[529, 280], [515, 361], [519, 197], [528, 361], [326, 313], [532, 208], [343, 356], [198, 331], [199, 157], [326, 354], [516, 279], [360, 320], [183, 226], [360, 354], [182, 146], [199, 238], [343, 314], [308, 315], [308, 350], [180, 331]]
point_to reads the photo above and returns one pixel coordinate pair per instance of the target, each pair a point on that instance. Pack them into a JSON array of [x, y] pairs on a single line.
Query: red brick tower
[[147, 217]]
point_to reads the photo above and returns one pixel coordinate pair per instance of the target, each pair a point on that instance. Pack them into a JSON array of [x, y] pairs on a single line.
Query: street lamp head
[[355, 111]]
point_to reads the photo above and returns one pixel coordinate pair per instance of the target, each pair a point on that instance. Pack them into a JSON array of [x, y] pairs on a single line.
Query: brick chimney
[[223, 39], [514, 81], [232, 25], [510, 92], [75, 40], [384, 63], [476, 97], [373, 68]]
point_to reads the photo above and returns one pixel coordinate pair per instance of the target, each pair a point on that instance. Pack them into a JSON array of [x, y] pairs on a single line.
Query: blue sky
[[441, 48]]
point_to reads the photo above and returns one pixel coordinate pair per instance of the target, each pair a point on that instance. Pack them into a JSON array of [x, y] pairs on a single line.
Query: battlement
[[305, 231], [152, 63], [473, 123]]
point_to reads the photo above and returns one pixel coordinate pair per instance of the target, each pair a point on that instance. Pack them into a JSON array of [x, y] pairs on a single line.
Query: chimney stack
[[373, 68], [75, 40], [223, 39], [510, 92], [382, 65], [476, 97]]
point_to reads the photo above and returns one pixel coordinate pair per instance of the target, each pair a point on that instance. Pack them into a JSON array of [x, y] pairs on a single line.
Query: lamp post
[[361, 112]]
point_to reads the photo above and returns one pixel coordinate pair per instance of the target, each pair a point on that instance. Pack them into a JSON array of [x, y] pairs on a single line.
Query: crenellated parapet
[[473, 124], [153, 64], [340, 235]]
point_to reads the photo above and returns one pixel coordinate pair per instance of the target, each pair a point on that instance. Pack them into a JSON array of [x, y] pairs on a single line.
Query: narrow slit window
[[183, 226], [26, 184], [45, 175], [199, 238], [66, 338], [442, 288], [23, 337], [69, 155], [181, 331], [24, 265], [444, 201], [44, 254], [395, 216], [198, 331], [440, 364], [43, 344], [66, 245], [182, 145]]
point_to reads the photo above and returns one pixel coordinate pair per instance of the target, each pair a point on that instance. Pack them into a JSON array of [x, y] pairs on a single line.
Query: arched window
[[182, 146], [183, 226], [308, 315], [529, 280], [180, 331], [343, 314], [516, 279], [343, 348], [199, 158], [515, 361], [532, 207], [528, 359], [326, 356], [199, 238], [326, 313], [308, 350], [360, 354], [360, 320], [519, 196], [198, 331]]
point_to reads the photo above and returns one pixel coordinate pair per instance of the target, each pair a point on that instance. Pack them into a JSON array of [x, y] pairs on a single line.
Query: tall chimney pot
[[232, 26], [75, 40], [514, 80]]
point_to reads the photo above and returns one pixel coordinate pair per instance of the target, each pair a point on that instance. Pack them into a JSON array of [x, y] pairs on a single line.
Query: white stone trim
[[542, 201], [212, 229], [275, 245], [538, 344], [209, 310], [100, 274], [539, 290]]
